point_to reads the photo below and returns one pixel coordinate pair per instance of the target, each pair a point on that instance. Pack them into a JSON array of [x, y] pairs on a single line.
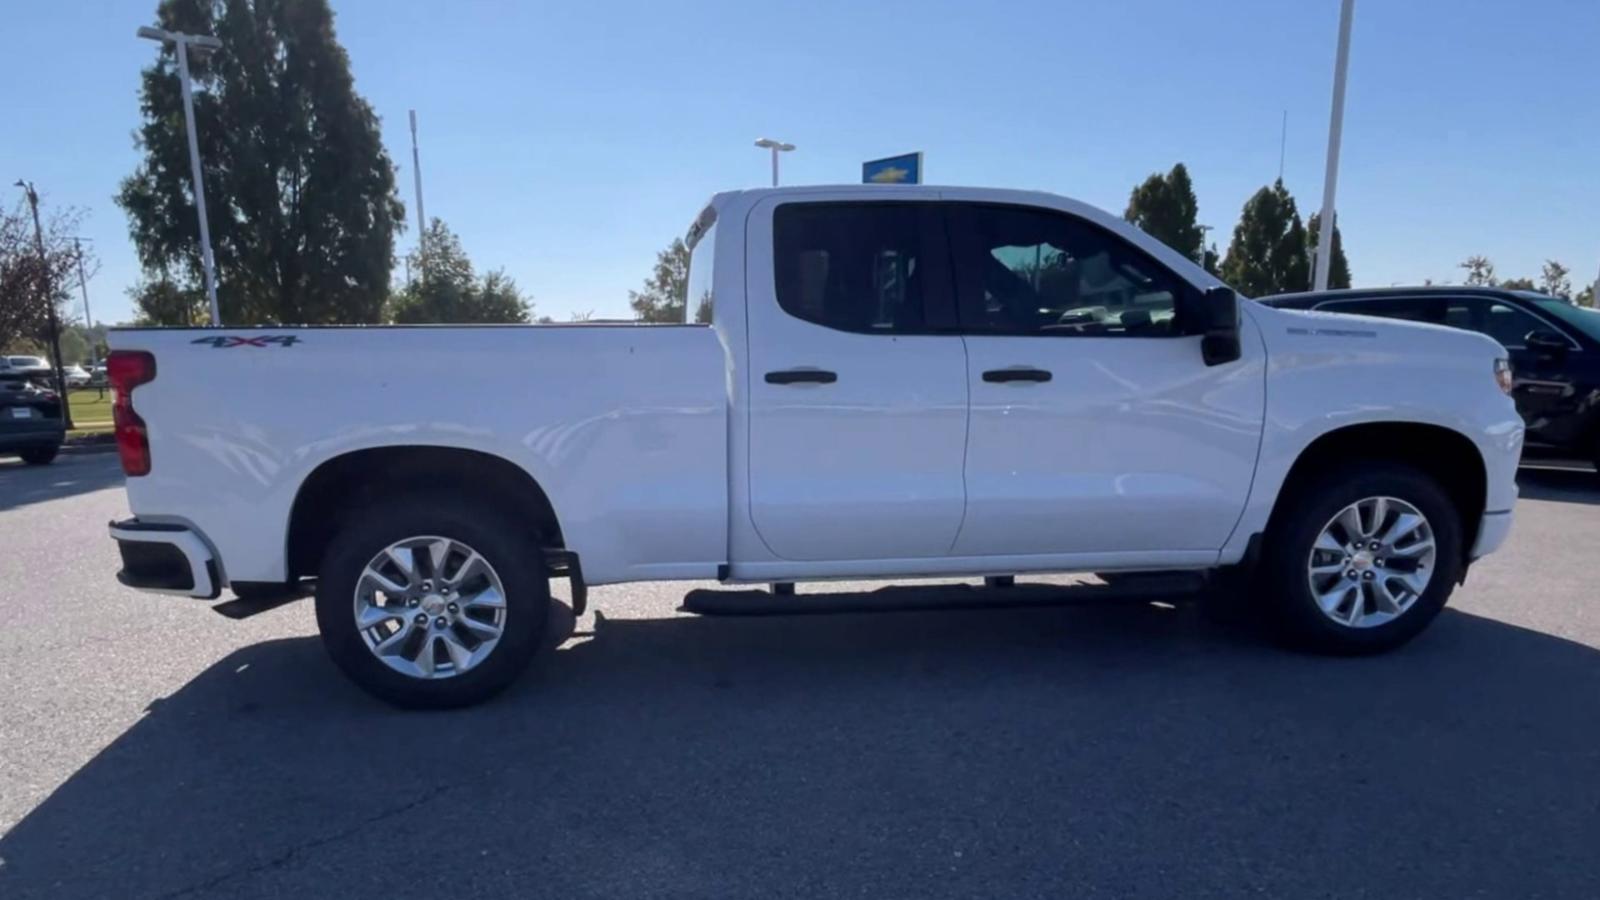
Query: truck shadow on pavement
[[1127, 749]]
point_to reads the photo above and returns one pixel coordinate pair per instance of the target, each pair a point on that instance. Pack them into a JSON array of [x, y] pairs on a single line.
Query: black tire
[[505, 543], [1283, 587], [39, 456]]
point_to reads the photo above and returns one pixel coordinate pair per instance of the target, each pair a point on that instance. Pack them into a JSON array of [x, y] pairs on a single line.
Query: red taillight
[[126, 370]]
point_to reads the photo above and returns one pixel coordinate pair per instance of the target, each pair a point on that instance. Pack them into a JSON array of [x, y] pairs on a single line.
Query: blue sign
[[906, 169]]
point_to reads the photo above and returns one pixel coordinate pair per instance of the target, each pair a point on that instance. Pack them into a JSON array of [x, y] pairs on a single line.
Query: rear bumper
[[43, 435], [166, 559], [1492, 532]]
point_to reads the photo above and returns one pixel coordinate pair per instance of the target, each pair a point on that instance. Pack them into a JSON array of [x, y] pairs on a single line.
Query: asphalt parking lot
[[152, 748]]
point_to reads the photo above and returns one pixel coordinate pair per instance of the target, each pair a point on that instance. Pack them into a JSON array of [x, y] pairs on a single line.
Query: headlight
[[1502, 374]]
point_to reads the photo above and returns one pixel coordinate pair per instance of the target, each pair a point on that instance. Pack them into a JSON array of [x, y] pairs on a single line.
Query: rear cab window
[[856, 266]]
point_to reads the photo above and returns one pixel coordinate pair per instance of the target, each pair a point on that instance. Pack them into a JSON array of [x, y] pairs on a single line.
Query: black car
[[1554, 348], [30, 418]]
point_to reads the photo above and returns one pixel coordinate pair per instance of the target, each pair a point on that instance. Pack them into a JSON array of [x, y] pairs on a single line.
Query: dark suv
[[1554, 348], [30, 418]]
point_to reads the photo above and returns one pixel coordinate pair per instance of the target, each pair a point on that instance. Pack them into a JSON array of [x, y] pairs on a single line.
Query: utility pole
[[83, 285], [1330, 183], [48, 290], [416, 173]]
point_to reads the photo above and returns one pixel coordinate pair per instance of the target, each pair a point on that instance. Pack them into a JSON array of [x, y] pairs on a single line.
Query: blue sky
[[568, 142]]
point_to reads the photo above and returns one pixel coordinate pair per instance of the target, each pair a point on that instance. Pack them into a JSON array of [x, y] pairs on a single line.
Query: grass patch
[[90, 411]]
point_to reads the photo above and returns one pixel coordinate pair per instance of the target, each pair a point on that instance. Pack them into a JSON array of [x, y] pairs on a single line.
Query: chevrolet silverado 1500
[[896, 382]]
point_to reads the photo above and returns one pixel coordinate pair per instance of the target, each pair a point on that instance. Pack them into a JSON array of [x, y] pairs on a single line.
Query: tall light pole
[[776, 147], [202, 44], [1330, 182], [416, 171], [48, 290]]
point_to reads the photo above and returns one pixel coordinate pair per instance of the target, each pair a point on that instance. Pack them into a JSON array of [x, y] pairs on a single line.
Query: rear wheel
[[432, 601], [39, 456], [1362, 559]]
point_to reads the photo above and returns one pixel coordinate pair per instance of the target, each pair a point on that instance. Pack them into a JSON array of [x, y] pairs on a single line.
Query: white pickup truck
[[897, 382]]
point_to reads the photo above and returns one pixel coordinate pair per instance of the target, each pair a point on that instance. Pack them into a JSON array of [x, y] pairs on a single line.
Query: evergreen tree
[[1268, 252], [1339, 274], [1164, 206], [446, 290]]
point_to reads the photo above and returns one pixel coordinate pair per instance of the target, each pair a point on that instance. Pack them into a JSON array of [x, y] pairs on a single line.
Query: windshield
[[25, 362], [1582, 318]]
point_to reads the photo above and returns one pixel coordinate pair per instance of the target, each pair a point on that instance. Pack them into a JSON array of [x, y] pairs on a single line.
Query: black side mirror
[[1543, 340], [1217, 319]]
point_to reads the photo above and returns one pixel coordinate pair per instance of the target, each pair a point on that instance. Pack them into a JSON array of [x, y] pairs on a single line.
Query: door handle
[[802, 376], [1000, 376]]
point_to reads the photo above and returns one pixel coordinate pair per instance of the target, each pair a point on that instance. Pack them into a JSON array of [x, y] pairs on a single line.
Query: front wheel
[[1362, 559], [432, 601]]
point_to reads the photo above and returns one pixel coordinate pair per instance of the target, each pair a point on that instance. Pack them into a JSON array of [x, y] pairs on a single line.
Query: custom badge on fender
[[266, 340]]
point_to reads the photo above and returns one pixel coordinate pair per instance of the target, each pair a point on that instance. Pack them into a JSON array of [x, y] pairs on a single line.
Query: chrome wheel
[[430, 607], [1371, 562]]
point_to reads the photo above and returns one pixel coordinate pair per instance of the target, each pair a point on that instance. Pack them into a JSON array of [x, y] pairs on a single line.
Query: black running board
[[1171, 587]]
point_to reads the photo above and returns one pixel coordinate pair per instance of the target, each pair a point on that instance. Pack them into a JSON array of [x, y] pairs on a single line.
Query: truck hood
[[1295, 329]]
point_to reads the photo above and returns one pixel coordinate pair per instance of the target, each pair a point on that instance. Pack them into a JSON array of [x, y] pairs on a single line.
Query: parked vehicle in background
[[903, 381], [28, 364], [1554, 347], [30, 418], [75, 376], [97, 376]]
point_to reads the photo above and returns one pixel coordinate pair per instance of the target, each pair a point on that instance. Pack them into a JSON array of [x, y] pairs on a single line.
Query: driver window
[[1032, 271]]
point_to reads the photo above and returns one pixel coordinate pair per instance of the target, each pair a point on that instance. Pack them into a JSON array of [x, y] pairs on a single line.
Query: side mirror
[[1543, 340], [1217, 319]]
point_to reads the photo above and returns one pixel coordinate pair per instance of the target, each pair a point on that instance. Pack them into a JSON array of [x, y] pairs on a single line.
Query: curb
[[89, 447]]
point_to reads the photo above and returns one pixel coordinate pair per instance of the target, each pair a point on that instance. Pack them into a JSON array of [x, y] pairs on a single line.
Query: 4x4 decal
[[266, 340]]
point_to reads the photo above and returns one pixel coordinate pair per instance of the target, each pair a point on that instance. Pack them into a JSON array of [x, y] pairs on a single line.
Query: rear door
[[1096, 426], [857, 381]]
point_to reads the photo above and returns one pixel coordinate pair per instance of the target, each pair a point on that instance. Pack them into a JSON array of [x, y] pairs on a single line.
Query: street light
[[202, 44], [776, 147], [1330, 181]]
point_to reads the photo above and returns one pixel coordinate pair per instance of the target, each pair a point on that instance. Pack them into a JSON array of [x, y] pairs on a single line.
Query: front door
[[1096, 427], [858, 404]]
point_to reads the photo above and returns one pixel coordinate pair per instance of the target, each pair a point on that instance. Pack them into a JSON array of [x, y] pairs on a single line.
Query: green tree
[[1164, 206], [1554, 280], [1517, 284], [662, 297], [1480, 271], [161, 300], [1267, 254], [27, 286], [1339, 274], [300, 192], [446, 289], [1585, 297]]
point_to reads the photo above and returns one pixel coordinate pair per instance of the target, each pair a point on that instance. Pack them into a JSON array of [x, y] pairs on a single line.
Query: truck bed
[[609, 419]]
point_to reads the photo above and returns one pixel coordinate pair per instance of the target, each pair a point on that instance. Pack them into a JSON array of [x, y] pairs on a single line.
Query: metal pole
[[83, 285], [1330, 183], [48, 290], [199, 187], [416, 173], [774, 166], [1283, 143]]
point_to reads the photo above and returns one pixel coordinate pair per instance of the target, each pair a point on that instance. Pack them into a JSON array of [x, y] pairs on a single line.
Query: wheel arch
[[1445, 454], [351, 479]]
